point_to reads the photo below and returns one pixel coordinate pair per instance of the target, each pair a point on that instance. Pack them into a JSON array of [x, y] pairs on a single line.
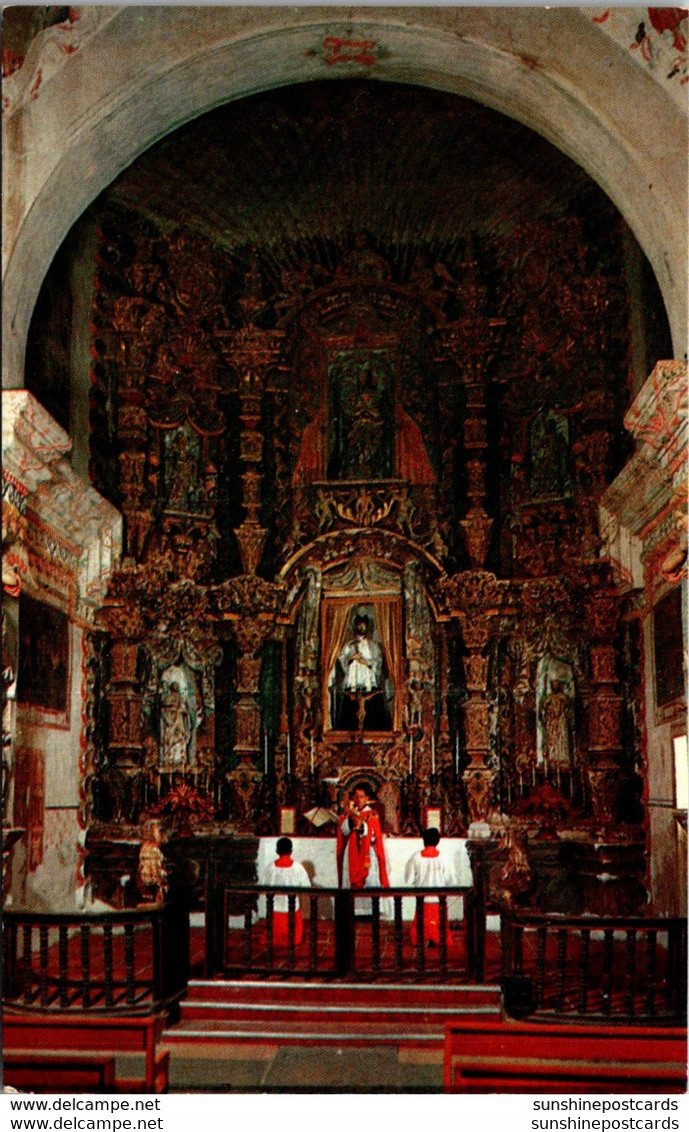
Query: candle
[[411, 755], [312, 754], [289, 756], [533, 776], [432, 754], [265, 753]]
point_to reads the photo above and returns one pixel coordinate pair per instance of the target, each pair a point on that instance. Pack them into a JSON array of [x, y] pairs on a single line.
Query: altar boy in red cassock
[[360, 851], [285, 873], [426, 869]]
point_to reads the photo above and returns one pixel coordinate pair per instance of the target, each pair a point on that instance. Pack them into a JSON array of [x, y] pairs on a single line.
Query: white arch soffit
[[144, 72]]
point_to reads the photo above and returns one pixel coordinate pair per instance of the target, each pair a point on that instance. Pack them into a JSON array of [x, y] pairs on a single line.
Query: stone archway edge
[[142, 72]]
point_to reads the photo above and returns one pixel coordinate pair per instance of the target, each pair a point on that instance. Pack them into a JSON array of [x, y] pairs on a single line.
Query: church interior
[[344, 446]]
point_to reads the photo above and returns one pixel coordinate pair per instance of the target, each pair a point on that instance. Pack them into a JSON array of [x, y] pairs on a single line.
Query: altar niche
[[361, 417], [361, 651]]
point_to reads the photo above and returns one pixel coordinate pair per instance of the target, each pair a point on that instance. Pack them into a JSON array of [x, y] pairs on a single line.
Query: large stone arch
[[78, 116]]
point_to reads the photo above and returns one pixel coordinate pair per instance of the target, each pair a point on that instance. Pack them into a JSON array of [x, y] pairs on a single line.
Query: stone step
[[311, 1032], [237, 991]]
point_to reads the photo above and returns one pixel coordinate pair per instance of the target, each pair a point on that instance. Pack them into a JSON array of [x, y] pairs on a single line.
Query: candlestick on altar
[[432, 754], [411, 755], [312, 754], [289, 755]]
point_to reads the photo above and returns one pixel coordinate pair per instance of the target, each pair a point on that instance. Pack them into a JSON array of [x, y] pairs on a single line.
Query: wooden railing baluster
[[584, 962], [442, 924], [398, 929], [248, 934], [130, 985], [270, 901], [375, 934], [651, 972], [291, 928], [420, 935], [313, 933], [43, 964], [63, 966], [630, 973], [606, 991], [518, 950], [107, 964], [541, 943], [561, 969], [27, 973], [85, 938]]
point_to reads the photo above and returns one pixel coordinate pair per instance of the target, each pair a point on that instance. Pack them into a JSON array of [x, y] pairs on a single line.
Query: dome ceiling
[[319, 161]]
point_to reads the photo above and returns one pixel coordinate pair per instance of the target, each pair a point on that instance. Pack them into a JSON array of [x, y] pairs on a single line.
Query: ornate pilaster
[[605, 713], [475, 599], [251, 352], [471, 344]]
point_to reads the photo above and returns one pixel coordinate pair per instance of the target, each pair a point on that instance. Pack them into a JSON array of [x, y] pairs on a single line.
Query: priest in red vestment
[[285, 873], [360, 850]]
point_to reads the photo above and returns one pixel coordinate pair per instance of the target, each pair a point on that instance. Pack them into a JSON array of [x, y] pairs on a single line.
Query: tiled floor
[[305, 1069]]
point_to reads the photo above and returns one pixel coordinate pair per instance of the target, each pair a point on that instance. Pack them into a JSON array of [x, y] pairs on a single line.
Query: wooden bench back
[[85, 1032], [484, 1056]]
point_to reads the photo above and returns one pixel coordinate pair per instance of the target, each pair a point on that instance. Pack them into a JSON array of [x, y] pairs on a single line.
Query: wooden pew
[[86, 1033], [524, 1057], [32, 1072]]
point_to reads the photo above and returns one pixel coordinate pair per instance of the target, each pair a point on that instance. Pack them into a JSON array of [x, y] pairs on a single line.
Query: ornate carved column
[[251, 352], [605, 715], [478, 778], [471, 344], [124, 776], [250, 604], [474, 599], [130, 338]]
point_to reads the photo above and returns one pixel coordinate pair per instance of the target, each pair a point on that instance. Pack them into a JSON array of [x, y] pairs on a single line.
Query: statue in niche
[[418, 641], [361, 419], [182, 453], [178, 719], [549, 446], [555, 713], [360, 690]]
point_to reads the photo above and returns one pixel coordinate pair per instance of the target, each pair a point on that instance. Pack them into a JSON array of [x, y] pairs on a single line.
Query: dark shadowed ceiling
[[324, 159], [293, 176]]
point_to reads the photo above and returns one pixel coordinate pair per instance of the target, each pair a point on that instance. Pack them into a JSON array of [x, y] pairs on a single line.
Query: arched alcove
[[87, 119]]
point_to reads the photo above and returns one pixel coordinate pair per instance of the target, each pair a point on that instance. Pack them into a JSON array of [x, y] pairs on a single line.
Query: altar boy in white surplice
[[427, 869], [285, 873]]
